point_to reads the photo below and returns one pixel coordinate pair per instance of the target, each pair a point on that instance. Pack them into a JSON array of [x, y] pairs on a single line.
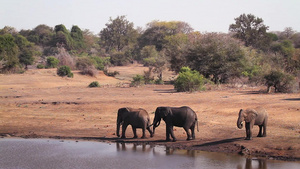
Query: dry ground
[[39, 103]]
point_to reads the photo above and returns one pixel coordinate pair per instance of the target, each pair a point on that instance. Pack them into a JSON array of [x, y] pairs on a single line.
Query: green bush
[[52, 62], [159, 81], [40, 66], [138, 80], [189, 80], [64, 71], [282, 82], [94, 84]]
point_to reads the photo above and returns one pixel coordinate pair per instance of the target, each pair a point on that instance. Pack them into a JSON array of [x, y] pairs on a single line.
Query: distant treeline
[[248, 52]]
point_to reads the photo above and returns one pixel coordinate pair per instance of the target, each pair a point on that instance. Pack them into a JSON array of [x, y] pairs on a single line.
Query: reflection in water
[[262, 164], [220, 160], [51, 154]]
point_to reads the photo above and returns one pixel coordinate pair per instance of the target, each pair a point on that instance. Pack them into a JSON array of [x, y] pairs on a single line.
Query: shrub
[[94, 84], [159, 81], [86, 67], [64, 71], [138, 80], [52, 62], [282, 82], [40, 66], [189, 80], [112, 74]]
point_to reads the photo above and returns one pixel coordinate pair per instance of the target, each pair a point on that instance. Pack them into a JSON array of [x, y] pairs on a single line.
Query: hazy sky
[[202, 15]]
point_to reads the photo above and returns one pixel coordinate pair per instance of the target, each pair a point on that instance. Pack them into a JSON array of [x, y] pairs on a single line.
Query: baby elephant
[[257, 116], [137, 118]]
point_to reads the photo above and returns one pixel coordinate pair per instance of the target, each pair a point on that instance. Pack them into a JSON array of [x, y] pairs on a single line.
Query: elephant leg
[[143, 130], [124, 127], [134, 132], [187, 133], [168, 133], [264, 130], [172, 133], [248, 131], [193, 132], [151, 133], [260, 131]]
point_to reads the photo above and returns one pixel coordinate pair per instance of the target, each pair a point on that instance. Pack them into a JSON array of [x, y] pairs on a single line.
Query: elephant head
[[247, 116], [160, 112], [122, 113]]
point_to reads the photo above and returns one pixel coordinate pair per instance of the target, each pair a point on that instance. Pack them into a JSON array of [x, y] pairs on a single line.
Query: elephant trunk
[[156, 123], [240, 120], [118, 126]]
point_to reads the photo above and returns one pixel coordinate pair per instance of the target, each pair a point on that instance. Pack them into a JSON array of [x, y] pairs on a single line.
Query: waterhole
[[57, 154]]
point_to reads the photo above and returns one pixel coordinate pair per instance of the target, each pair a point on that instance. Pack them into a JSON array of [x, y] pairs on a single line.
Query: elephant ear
[[167, 111], [250, 115]]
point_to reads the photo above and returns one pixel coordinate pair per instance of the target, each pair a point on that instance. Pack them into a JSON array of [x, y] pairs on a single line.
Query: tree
[[281, 81], [26, 50], [118, 34], [251, 30], [78, 39], [9, 53], [177, 47], [157, 31], [216, 55], [40, 35], [62, 37]]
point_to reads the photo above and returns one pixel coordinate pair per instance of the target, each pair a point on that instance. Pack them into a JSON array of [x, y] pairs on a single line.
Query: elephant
[[257, 116], [137, 118], [176, 116]]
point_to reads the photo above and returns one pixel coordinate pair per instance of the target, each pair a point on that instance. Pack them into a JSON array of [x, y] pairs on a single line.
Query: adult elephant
[[257, 116], [137, 118], [176, 116]]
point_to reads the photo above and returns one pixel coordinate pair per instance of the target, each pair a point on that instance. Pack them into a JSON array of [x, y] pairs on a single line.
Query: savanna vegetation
[[248, 53]]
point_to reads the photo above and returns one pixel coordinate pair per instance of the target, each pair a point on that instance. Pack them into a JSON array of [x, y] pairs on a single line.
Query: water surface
[[52, 154]]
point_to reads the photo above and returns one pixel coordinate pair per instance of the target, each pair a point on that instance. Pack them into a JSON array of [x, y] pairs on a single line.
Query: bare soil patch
[[39, 103]]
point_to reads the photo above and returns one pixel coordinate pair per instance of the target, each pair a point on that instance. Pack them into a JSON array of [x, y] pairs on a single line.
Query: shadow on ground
[[219, 142]]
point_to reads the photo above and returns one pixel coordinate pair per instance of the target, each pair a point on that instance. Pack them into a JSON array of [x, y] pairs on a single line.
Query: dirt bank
[[41, 104]]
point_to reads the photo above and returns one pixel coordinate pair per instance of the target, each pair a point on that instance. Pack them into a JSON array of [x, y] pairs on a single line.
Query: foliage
[[52, 62], [78, 39], [251, 30], [177, 48], [119, 59], [157, 31], [40, 66], [86, 66], [112, 74], [189, 81], [94, 84], [9, 52], [138, 80], [216, 55], [101, 62], [64, 71], [118, 34], [282, 82], [26, 50]]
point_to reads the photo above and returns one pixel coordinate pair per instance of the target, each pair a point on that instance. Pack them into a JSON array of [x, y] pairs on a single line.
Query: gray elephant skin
[[136, 117], [176, 116], [257, 116]]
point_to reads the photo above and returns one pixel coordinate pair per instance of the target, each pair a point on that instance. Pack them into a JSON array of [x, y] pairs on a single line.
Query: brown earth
[[39, 103]]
